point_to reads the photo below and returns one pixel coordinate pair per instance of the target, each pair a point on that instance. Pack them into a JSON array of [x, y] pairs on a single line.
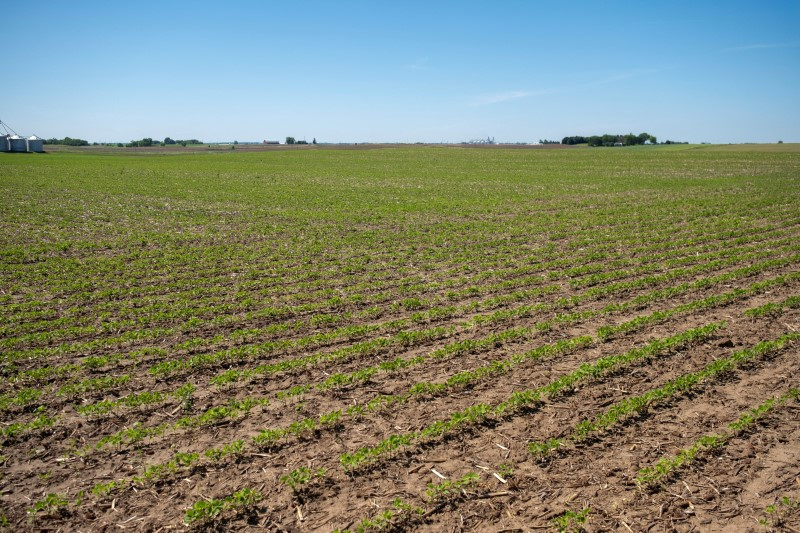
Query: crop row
[[652, 476], [633, 405]]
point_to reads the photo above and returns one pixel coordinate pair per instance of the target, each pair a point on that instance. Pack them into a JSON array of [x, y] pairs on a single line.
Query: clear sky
[[345, 71]]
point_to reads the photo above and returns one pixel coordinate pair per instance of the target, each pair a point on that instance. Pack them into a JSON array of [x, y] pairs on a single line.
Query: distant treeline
[[147, 141], [610, 140], [67, 141]]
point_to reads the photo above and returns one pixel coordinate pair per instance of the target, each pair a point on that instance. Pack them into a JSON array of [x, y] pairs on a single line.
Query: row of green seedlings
[[338, 380], [348, 333], [268, 438], [402, 515], [502, 366], [25, 396], [605, 333], [280, 282], [221, 378], [91, 385], [236, 408], [28, 396], [214, 312], [345, 333], [151, 315], [527, 399], [217, 414], [610, 289], [271, 437], [674, 262], [370, 347], [636, 405], [205, 511], [653, 477], [774, 309], [454, 348]]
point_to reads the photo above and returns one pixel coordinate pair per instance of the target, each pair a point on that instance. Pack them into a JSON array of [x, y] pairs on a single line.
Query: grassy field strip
[[667, 467], [624, 409]]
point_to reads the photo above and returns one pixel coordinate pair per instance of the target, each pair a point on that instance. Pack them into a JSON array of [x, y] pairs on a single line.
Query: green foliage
[[205, 511], [67, 141], [571, 520], [51, 503], [446, 489], [298, 478], [775, 514], [664, 468]]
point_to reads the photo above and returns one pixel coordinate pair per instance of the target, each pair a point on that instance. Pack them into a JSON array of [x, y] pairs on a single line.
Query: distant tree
[[235, 142], [630, 140], [290, 140], [653, 139], [780, 142], [301, 142], [314, 141], [167, 140], [577, 139], [120, 145]]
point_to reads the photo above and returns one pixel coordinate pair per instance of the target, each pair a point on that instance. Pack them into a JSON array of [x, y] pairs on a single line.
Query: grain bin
[[17, 144], [35, 144], [3, 143]]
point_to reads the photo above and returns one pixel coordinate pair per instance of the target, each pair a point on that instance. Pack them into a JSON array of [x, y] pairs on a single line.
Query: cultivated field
[[412, 338]]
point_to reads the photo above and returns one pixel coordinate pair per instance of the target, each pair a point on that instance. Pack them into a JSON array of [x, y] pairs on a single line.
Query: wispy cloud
[[497, 98], [762, 46], [500, 97], [419, 64], [622, 76]]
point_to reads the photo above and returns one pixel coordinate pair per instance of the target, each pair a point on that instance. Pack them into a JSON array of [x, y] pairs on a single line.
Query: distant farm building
[[270, 142]]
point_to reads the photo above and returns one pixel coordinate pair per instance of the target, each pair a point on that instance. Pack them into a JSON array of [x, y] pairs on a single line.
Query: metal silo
[[35, 144], [17, 144], [3, 143]]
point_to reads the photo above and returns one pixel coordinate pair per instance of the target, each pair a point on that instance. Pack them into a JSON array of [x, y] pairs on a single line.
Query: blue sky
[[402, 71]]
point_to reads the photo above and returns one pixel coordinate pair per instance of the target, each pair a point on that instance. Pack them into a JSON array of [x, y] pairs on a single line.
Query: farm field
[[429, 338]]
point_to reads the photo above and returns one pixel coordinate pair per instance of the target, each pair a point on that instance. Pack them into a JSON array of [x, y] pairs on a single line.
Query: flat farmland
[[401, 338]]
